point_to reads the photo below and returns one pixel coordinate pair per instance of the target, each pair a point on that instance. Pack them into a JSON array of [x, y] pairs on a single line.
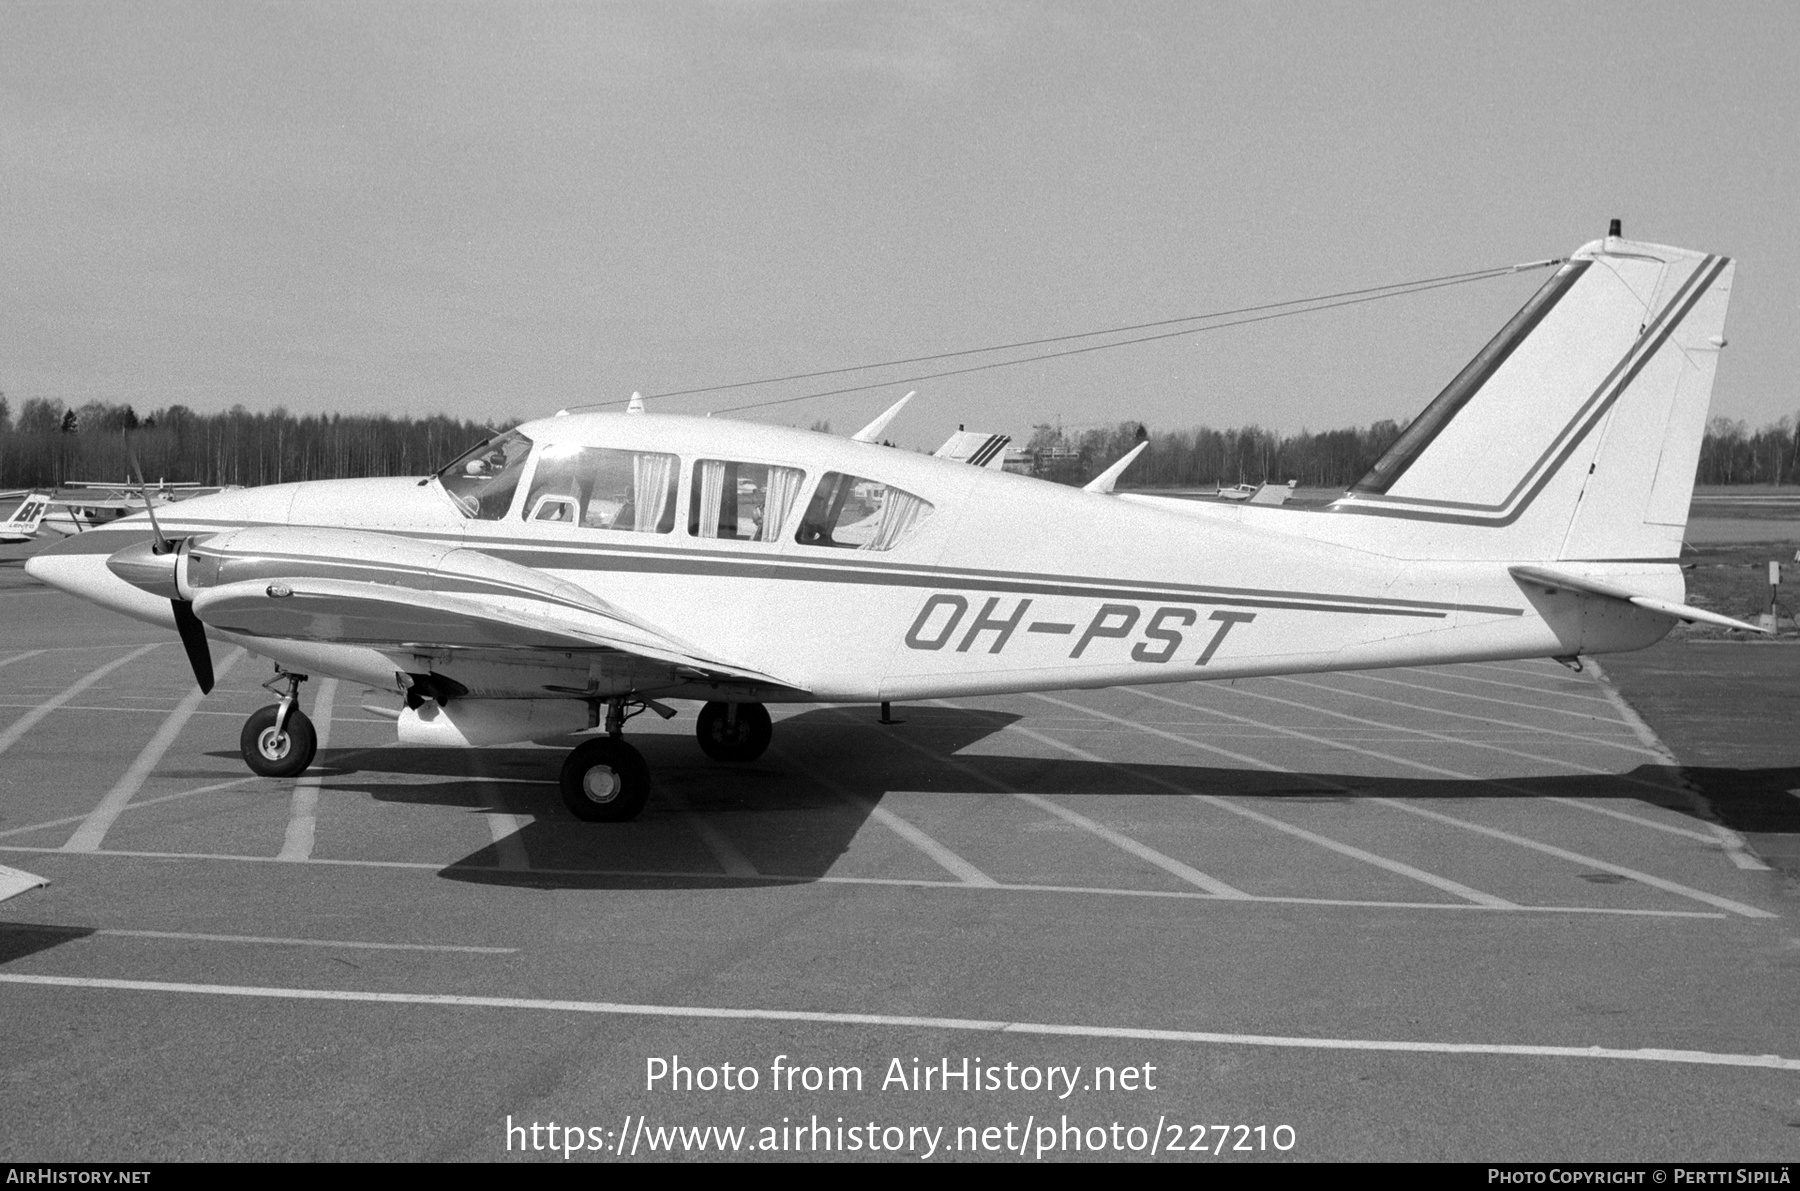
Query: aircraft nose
[[139, 565]]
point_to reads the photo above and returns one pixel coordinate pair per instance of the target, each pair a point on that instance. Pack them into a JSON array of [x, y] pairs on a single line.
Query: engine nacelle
[[465, 723]]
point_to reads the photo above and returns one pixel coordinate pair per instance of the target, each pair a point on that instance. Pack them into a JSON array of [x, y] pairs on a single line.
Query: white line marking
[[724, 852], [1484, 719], [29, 720], [1169, 864], [948, 860], [913, 882], [1424, 688], [503, 826], [1736, 847], [1142, 851], [19, 657], [187, 936], [1711, 899], [303, 812], [1656, 882], [1458, 676], [99, 821], [133, 806], [1393, 866], [1642, 1054]]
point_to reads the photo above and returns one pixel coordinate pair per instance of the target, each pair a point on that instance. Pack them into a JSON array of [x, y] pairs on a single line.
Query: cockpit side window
[[602, 488], [483, 480], [852, 513], [746, 502]]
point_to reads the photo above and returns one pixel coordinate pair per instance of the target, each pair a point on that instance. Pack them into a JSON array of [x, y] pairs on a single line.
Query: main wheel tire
[[744, 740], [605, 780], [272, 754]]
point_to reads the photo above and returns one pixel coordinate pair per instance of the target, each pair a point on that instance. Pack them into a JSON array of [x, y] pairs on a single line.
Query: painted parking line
[[25, 723], [960, 1024], [503, 826], [303, 812], [437, 869], [1535, 729], [1732, 843], [733, 862], [99, 821], [138, 804], [940, 853], [183, 936], [1141, 850], [1393, 866], [1571, 713], [1656, 882], [1457, 675], [18, 657]]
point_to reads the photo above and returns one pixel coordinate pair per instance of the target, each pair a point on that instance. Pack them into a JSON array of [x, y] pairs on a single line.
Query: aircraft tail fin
[[25, 519], [1575, 433]]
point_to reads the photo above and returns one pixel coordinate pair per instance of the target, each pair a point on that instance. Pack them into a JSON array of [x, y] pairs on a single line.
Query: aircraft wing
[[394, 593], [1561, 579]]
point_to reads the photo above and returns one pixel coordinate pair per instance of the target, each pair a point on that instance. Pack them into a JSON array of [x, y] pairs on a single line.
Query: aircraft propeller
[[193, 633]]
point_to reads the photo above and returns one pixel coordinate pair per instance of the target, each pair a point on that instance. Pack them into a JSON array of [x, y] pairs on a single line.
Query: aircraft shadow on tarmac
[[793, 828]]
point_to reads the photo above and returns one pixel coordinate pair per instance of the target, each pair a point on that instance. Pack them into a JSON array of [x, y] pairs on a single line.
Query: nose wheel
[[734, 731], [278, 740]]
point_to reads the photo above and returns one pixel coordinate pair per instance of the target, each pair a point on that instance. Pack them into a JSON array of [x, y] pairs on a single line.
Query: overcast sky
[[499, 209]]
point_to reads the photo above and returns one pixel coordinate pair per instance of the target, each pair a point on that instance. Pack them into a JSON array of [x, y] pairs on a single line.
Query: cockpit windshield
[[483, 480]]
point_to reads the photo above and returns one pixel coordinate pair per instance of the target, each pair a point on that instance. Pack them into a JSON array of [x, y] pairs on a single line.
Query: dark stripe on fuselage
[[678, 561]]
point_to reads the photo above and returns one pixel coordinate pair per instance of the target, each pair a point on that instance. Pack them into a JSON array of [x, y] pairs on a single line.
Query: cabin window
[[601, 488], [852, 513], [744, 502], [483, 480]]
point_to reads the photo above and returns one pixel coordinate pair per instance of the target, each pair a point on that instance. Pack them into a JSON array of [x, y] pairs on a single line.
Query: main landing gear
[[605, 780], [734, 731], [278, 740]]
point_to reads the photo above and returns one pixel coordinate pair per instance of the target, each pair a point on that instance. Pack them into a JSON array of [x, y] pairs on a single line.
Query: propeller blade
[[163, 545], [193, 639]]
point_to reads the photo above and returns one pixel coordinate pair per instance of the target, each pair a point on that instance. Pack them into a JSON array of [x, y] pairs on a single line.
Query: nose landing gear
[[278, 740]]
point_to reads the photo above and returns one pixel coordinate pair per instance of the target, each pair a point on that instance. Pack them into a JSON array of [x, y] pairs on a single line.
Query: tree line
[[46, 443]]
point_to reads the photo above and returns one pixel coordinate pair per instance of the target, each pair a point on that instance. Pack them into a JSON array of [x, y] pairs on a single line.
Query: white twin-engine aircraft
[[568, 574]]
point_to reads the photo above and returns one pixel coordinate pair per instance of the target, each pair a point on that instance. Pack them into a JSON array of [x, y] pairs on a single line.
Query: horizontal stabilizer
[[1670, 608], [976, 447], [16, 881]]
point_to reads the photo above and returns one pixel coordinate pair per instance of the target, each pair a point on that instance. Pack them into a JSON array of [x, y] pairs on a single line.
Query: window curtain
[[783, 490], [712, 496], [652, 483], [899, 513]]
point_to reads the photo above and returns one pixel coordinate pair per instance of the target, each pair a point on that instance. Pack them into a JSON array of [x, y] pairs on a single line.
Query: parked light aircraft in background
[[81, 505], [580, 569]]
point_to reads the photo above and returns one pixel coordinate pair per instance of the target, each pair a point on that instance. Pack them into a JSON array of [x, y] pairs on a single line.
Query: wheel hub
[[601, 784], [273, 745]]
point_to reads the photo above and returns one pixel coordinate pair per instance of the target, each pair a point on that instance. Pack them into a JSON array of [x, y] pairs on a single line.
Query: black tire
[[605, 781], [744, 740], [270, 755]]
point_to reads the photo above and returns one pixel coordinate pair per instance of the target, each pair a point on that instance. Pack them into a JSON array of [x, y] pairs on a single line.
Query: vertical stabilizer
[[1576, 432]]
